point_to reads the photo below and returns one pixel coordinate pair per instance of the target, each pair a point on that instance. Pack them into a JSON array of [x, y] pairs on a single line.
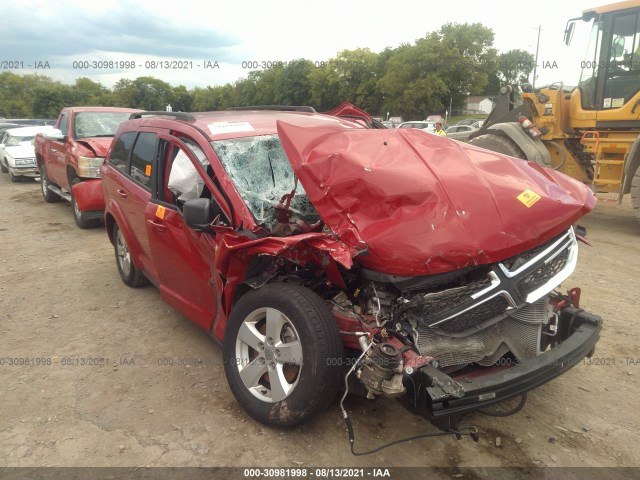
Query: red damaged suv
[[324, 252]]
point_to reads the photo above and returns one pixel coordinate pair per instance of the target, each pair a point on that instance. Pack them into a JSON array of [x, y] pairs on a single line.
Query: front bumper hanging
[[439, 397]]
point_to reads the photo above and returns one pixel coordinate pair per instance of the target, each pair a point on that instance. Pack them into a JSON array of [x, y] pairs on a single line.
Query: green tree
[[47, 102], [443, 66], [515, 66], [293, 87], [266, 81], [92, 93], [17, 93], [182, 99], [148, 93]]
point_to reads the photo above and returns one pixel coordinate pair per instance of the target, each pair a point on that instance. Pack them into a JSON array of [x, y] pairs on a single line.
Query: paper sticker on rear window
[[528, 198], [218, 128]]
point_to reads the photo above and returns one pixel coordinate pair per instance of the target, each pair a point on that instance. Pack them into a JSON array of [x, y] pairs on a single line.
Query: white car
[[420, 124], [460, 132], [17, 155]]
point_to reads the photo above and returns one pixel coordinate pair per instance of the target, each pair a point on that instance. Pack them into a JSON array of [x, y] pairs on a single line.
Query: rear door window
[[121, 150], [143, 158]]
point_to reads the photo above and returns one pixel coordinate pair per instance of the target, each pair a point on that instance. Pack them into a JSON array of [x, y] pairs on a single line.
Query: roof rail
[[162, 113], [280, 108]]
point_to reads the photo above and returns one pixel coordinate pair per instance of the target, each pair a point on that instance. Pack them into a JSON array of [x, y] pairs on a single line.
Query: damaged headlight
[[89, 167]]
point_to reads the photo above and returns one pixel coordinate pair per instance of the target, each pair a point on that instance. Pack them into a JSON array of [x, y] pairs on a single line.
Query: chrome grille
[[520, 280], [542, 273]]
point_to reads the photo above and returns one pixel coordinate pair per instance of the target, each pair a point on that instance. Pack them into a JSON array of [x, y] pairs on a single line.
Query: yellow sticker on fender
[[160, 211], [529, 198]]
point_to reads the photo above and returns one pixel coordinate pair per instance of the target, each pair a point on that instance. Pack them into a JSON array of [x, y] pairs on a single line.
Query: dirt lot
[[61, 299]]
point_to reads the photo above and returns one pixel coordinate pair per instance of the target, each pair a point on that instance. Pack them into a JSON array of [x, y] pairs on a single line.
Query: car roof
[[222, 125], [23, 131]]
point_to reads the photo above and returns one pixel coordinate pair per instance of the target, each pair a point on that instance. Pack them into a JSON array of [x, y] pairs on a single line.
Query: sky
[[67, 35]]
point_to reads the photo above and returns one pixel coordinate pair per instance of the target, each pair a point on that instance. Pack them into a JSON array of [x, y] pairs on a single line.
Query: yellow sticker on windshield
[[147, 170], [160, 211], [529, 198]]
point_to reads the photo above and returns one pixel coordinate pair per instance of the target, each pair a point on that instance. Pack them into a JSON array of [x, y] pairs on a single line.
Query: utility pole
[[535, 66]]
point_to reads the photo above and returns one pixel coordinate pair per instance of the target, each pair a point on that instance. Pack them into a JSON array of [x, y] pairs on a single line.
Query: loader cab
[[610, 79]]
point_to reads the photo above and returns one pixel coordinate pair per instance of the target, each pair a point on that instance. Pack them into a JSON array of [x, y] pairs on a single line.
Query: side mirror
[[53, 134], [200, 212]]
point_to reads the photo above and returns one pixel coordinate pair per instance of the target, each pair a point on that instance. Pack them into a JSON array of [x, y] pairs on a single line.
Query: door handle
[[633, 110], [122, 193], [160, 227]]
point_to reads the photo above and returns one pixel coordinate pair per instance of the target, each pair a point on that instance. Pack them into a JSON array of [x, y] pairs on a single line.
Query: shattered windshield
[[98, 124], [262, 174]]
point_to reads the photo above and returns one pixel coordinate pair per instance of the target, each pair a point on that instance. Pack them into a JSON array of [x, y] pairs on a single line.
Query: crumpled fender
[[89, 195], [235, 250], [298, 248]]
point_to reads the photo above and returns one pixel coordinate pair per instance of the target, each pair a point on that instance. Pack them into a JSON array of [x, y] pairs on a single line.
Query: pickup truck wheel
[[48, 195], [128, 271], [82, 218], [499, 144], [282, 352]]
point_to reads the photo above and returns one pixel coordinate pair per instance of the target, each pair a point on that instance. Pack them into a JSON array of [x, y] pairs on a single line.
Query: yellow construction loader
[[590, 132]]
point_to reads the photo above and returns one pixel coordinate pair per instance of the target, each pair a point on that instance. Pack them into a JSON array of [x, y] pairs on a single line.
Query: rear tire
[[48, 195], [282, 354], [499, 144], [128, 271]]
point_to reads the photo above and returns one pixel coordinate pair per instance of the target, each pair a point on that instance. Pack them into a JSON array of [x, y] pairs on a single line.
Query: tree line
[[412, 80]]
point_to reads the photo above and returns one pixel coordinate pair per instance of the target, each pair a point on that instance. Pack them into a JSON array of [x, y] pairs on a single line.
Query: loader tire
[[635, 193], [498, 143]]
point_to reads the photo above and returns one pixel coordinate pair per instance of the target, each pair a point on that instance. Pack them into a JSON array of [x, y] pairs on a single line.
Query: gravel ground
[[108, 398]]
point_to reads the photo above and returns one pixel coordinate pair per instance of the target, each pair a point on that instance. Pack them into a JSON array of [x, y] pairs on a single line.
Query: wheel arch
[[109, 222], [72, 175], [134, 247]]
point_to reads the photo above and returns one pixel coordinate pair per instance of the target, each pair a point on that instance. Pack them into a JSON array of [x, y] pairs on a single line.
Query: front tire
[[282, 353], [15, 178], [3, 168], [83, 219], [128, 271]]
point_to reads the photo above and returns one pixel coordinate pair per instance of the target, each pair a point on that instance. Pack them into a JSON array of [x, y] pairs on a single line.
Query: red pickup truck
[[69, 158]]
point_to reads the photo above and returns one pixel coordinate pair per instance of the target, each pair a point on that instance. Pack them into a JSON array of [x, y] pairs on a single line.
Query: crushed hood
[[422, 204], [99, 145]]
